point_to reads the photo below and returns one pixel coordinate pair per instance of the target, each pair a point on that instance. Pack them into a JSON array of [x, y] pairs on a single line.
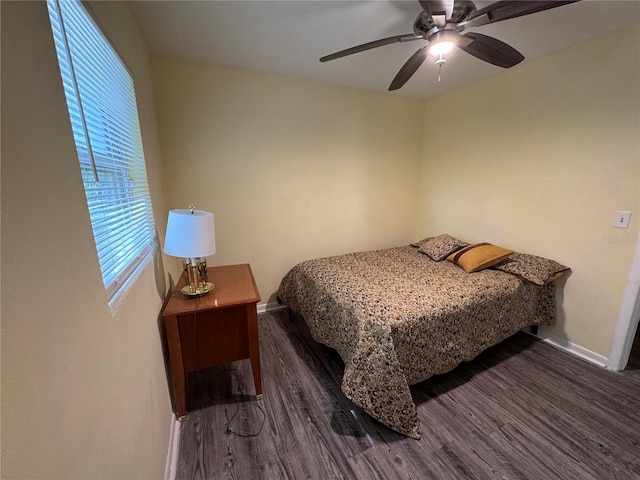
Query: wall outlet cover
[[621, 220]]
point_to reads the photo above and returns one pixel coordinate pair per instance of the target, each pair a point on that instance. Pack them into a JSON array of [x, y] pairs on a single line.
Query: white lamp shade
[[190, 234]]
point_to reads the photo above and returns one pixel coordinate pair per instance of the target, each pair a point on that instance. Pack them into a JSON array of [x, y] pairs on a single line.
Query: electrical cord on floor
[[241, 389]]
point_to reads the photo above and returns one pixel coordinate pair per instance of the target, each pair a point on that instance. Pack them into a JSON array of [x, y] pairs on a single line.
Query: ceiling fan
[[441, 23]]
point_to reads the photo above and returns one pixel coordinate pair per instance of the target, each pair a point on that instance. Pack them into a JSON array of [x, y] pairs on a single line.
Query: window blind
[[104, 118]]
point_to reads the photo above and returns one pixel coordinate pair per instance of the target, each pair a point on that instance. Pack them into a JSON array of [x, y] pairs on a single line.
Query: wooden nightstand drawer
[[215, 337]]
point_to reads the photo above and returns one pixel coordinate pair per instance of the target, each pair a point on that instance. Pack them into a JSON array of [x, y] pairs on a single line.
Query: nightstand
[[217, 328]]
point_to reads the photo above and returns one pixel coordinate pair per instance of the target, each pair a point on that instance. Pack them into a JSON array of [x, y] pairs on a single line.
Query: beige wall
[[291, 169], [538, 159], [84, 394]]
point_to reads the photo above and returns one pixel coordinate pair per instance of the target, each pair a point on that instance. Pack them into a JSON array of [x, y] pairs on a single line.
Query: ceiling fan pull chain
[[440, 62]]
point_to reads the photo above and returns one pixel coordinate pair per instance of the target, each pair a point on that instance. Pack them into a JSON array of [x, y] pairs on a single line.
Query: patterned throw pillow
[[440, 247], [479, 256], [535, 269], [421, 242]]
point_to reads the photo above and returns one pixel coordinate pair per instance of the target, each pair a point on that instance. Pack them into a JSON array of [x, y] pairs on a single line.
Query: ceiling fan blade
[[368, 46], [506, 9], [490, 50], [439, 10], [409, 68]]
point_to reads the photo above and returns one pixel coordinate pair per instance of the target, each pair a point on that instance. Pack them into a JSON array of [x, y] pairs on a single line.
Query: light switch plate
[[621, 220]]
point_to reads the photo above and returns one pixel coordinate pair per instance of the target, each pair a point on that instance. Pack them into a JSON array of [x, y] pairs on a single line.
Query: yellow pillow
[[479, 256]]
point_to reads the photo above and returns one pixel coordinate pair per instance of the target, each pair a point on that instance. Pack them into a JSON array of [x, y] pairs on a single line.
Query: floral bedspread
[[396, 318]]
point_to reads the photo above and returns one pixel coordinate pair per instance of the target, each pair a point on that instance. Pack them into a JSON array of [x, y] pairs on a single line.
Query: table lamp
[[191, 235]]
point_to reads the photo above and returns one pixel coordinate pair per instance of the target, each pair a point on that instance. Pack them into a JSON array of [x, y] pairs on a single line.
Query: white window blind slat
[[104, 119]]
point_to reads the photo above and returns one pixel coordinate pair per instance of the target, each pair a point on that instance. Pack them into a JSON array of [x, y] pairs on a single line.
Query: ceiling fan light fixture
[[441, 23], [440, 48]]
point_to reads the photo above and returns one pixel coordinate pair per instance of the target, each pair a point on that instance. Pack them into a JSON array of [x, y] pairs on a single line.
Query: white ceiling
[[288, 37]]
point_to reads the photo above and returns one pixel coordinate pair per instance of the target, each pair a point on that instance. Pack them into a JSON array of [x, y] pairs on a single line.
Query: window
[[104, 119]]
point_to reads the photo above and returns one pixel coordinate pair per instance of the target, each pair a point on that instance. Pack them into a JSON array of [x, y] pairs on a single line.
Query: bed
[[397, 316]]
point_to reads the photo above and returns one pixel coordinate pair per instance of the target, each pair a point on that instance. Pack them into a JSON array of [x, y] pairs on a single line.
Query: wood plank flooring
[[521, 410]]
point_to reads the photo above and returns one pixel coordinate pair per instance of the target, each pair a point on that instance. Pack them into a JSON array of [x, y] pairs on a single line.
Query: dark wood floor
[[521, 410]]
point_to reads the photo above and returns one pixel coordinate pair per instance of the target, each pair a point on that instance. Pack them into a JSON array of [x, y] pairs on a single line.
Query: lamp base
[[203, 288]]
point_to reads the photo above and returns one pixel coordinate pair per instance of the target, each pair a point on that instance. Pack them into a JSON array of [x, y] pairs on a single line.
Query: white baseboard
[[170, 468], [573, 349], [270, 307]]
